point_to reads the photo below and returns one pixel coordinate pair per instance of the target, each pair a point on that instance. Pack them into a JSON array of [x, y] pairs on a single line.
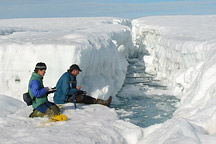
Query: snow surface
[[181, 50]]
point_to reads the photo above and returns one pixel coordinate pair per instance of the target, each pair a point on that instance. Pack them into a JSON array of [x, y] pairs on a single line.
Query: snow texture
[[180, 49]]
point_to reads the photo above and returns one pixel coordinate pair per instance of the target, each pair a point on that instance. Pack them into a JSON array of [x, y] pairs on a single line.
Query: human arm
[[81, 91], [73, 86], [36, 90]]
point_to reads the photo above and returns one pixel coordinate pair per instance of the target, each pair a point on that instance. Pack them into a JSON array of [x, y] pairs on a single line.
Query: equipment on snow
[[60, 117], [53, 119]]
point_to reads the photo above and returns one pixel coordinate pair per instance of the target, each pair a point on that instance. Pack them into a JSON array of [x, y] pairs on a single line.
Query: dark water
[[136, 105]]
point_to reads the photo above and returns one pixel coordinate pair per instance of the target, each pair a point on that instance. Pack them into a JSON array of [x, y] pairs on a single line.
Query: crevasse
[[182, 50]]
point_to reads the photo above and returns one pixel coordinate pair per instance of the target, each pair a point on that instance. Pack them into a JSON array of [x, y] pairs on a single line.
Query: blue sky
[[130, 9]]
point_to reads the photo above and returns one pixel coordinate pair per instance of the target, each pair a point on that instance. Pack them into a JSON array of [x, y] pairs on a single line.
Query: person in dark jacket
[[37, 91], [67, 88]]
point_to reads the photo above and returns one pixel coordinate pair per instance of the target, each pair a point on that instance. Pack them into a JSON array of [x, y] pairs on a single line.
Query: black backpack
[[27, 98]]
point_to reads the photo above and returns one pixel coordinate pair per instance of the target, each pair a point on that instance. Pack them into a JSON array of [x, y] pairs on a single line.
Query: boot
[[36, 113], [106, 103]]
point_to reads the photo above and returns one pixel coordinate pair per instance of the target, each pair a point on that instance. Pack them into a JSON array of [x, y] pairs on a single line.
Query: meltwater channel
[[136, 105]]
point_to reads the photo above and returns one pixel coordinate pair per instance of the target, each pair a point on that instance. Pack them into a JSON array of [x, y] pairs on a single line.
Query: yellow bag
[[60, 117]]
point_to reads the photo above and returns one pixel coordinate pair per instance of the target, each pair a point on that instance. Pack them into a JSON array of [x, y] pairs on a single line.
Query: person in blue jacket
[[38, 93], [67, 88]]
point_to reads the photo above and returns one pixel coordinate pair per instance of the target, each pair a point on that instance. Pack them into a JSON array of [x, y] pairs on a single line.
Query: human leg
[[106, 103], [53, 110], [47, 109], [80, 98], [37, 113]]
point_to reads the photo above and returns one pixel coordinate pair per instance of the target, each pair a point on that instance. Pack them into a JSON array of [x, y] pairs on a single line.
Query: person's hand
[[84, 92], [47, 88], [79, 87]]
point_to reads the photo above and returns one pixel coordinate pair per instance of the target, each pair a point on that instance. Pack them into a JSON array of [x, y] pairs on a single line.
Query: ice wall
[[176, 45], [182, 49], [99, 45]]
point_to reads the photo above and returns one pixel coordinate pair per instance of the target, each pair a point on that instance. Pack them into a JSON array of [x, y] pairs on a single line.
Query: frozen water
[[145, 111], [136, 105]]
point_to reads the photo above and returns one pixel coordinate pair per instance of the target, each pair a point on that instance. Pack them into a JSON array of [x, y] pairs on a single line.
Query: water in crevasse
[[134, 102]]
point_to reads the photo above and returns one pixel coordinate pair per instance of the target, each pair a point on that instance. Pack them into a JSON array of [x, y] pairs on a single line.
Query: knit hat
[[41, 66]]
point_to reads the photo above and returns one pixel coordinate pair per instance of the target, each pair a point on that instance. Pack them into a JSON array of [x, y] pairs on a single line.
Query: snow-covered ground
[[99, 45], [181, 51]]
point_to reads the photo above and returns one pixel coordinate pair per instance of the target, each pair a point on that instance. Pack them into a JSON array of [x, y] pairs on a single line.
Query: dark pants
[[80, 98]]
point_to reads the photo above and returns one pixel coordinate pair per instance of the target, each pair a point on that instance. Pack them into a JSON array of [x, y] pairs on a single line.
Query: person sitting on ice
[[67, 89], [38, 93]]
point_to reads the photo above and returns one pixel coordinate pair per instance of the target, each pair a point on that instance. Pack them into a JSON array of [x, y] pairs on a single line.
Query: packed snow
[[180, 50]]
